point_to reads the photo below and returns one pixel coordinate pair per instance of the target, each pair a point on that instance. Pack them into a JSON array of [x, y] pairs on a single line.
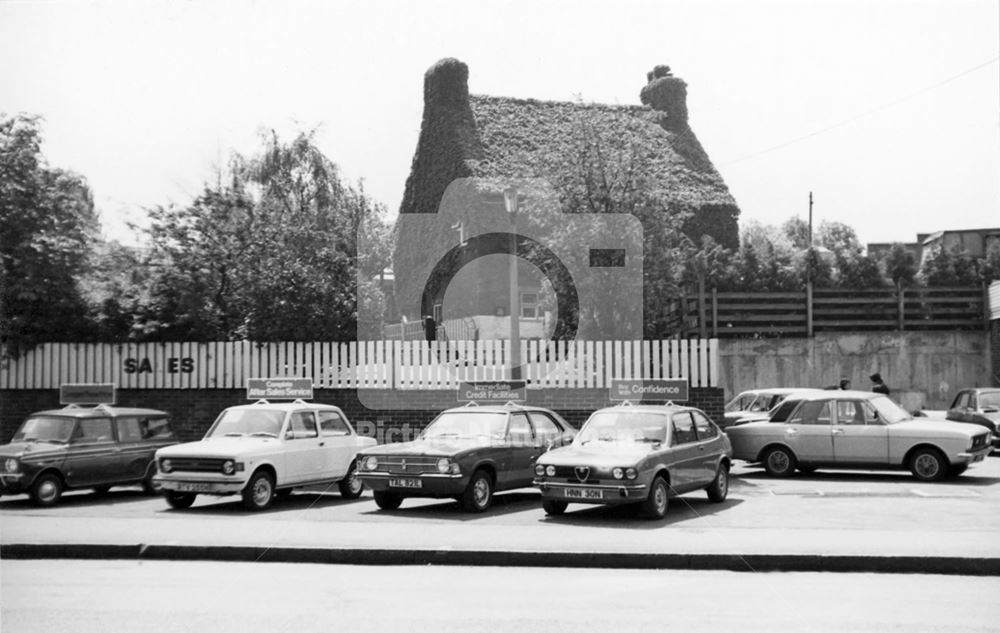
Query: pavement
[[826, 521]]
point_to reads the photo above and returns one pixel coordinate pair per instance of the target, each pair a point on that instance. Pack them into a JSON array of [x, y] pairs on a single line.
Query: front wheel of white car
[[928, 464], [259, 492], [351, 485]]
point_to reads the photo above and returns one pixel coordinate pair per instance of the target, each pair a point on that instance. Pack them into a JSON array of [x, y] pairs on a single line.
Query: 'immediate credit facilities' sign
[[674, 390], [492, 392], [280, 388]]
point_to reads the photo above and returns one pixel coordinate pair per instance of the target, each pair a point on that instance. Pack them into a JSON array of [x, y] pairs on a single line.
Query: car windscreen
[[888, 411], [466, 425], [624, 426], [236, 422], [43, 428], [989, 399]]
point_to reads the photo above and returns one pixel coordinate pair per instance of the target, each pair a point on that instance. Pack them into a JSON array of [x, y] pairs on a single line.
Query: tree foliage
[[47, 229]]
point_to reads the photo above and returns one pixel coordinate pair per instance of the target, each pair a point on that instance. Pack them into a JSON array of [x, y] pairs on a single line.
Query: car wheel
[[351, 485], [179, 500], [719, 488], [259, 492], [779, 462], [479, 493], [555, 507], [928, 464], [46, 490], [148, 486], [655, 505], [387, 500]]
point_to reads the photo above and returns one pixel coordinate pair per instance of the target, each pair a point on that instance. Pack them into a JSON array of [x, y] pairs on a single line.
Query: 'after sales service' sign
[[675, 389], [91, 393], [280, 388], [500, 391]]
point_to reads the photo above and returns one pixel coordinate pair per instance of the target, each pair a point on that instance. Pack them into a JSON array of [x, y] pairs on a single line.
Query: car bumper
[[583, 493], [13, 484], [422, 485], [971, 457], [199, 486]]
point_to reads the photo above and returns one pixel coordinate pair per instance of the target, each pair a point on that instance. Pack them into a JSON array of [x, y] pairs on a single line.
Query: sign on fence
[[280, 388], [637, 390], [87, 394], [492, 392]]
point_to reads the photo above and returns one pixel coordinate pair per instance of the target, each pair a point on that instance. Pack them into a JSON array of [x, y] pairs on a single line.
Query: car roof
[[99, 411], [294, 405], [665, 409]]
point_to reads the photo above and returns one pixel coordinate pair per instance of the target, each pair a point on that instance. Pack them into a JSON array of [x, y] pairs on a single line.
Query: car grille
[[195, 464], [408, 465], [979, 441], [569, 474]]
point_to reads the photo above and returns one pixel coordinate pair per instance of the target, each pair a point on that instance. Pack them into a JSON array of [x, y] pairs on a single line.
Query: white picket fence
[[361, 365]]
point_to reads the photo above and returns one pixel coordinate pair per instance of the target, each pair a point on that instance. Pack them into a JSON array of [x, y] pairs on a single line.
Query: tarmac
[[835, 523]]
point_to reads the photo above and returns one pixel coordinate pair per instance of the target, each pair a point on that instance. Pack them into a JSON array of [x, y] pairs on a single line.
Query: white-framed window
[[529, 305]]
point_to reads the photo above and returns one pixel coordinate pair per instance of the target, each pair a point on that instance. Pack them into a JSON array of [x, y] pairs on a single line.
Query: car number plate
[[406, 483], [583, 493], [190, 487]]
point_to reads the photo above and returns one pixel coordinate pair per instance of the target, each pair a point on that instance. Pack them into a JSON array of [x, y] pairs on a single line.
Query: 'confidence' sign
[[280, 388], [492, 392], [673, 389]]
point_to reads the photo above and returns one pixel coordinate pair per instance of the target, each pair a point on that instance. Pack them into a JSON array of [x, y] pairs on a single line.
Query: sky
[[887, 111]]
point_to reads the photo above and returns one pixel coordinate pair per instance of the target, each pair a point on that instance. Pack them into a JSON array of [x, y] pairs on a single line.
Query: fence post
[[702, 329], [809, 308], [715, 312], [900, 306]]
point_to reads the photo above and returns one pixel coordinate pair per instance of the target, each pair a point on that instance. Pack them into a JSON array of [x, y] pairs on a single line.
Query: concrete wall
[[923, 369]]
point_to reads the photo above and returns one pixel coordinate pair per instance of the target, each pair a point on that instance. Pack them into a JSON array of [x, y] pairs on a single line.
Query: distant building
[[975, 243]]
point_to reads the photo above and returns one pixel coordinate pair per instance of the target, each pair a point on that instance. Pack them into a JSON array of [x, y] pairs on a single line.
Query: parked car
[[83, 447], [264, 449], [978, 406], [467, 453], [754, 404], [857, 430], [641, 454]]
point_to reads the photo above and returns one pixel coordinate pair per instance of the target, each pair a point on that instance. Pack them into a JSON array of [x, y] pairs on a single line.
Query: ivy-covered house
[[640, 159]]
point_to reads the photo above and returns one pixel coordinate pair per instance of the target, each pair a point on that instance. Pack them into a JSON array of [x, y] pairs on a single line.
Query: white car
[[857, 430], [754, 404], [264, 449]]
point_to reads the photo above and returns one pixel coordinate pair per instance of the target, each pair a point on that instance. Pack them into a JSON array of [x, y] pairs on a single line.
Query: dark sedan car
[[978, 406], [467, 453], [83, 447]]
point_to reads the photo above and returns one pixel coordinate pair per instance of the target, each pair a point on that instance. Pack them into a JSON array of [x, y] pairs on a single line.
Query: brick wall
[[193, 410]]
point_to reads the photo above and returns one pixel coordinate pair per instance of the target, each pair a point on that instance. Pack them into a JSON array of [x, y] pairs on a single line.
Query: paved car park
[[861, 515]]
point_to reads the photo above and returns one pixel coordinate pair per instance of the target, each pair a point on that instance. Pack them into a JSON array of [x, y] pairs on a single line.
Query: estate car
[[83, 447], [637, 454], [262, 450], [857, 430], [467, 453]]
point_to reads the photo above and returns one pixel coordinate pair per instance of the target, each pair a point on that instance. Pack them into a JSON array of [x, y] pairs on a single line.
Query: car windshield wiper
[[263, 434], [234, 434]]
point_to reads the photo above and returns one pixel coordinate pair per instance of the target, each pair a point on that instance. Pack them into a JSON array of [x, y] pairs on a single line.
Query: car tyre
[[179, 500], [479, 493], [387, 500], [259, 492], [46, 490], [718, 490], [148, 486], [655, 505], [351, 485], [554, 507], [779, 462], [928, 464]]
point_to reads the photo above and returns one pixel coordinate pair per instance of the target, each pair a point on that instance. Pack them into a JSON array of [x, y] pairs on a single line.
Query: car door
[[305, 455], [685, 456], [339, 444], [809, 431], [134, 454], [93, 456], [708, 448], [522, 451], [859, 435], [961, 407]]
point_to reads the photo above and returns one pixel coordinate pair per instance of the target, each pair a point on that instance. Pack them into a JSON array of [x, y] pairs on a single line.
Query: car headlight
[[228, 467], [166, 466], [618, 473], [539, 470], [444, 465], [370, 463], [550, 471], [631, 473], [10, 465]]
